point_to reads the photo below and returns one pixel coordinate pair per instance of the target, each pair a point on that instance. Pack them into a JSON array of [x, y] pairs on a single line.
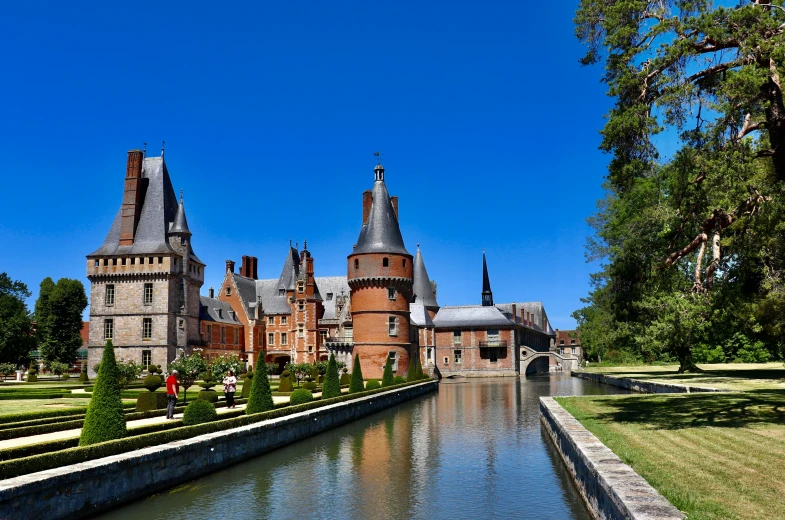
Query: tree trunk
[[775, 119], [686, 364]]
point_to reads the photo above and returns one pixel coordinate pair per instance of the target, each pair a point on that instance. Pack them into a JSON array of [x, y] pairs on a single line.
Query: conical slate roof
[[382, 233], [487, 295], [290, 271], [180, 224], [423, 290]]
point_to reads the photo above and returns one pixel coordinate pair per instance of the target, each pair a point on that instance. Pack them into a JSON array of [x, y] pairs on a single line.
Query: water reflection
[[475, 449]]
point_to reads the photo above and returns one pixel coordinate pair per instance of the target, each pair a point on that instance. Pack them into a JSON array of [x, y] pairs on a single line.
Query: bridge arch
[[568, 363]]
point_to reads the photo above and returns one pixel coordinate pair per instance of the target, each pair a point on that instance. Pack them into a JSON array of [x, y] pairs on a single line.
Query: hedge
[[36, 422], [198, 412], [26, 431], [300, 396], [16, 417], [75, 455]]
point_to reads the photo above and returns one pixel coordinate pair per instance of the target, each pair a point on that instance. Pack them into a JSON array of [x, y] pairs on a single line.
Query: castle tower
[[380, 276], [424, 287], [145, 278], [487, 295]]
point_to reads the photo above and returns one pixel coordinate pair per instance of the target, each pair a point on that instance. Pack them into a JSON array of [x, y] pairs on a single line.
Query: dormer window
[[385, 262], [329, 296], [220, 314], [281, 292], [233, 315], [300, 287]]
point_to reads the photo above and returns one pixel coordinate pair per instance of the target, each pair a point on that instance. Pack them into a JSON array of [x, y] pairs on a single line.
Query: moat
[[475, 449]]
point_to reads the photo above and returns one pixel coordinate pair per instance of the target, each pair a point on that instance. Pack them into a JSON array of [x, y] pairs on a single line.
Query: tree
[[58, 314], [221, 366], [7, 369], [299, 370], [105, 418], [261, 398], [188, 370], [706, 219], [16, 330], [128, 372], [58, 368], [331, 386], [387, 376], [410, 376], [356, 384]]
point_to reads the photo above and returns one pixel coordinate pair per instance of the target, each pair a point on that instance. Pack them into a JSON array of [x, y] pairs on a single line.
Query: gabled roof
[[471, 316], [159, 206], [422, 289], [209, 311], [381, 234], [331, 285]]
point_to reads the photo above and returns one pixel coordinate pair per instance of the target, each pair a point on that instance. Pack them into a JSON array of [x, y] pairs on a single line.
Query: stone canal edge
[[89, 487], [644, 387], [610, 488]]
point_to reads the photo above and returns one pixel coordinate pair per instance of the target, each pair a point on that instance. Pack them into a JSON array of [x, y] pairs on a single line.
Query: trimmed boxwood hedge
[[150, 401], [198, 412], [372, 384], [300, 396], [41, 414], [211, 396], [26, 431], [75, 455]]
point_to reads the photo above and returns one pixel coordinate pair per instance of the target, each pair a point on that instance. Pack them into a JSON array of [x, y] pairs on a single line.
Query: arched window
[[385, 262]]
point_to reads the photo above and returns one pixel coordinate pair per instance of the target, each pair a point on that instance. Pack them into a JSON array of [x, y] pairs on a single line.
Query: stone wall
[[610, 488], [644, 387], [84, 489]]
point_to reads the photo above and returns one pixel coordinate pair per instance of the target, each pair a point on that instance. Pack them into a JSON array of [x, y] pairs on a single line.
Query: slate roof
[[382, 233], [290, 271], [536, 309], [180, 224], [471, 316], [419, 315], [159, 208], [331, 285], [209, 311], [422, 289]]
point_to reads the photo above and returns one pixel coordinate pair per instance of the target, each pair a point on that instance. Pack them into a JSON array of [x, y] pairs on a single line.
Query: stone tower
[[145, 278], [380, 276]]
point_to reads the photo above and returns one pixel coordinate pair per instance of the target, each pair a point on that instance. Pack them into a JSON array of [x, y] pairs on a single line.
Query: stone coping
[[610, 488], [645, 387]]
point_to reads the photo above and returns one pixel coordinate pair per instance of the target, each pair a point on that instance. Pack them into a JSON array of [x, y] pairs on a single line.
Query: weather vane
[[379, 155]]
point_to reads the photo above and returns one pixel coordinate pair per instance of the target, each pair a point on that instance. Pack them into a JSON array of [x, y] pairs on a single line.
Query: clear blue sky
[[271, 113]]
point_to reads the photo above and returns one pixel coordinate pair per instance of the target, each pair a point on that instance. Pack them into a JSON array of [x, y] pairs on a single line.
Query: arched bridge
[[567, 363]]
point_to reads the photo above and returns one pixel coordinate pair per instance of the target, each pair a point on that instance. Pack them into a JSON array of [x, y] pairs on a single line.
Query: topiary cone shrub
[[410, 371], [345, 377], [83, 377], [418, 373], [387, 376], [152, 382], [105, 418], [356, 384], [261, 397], [285, 384], [199, 412], [247, 381], [300, 396], [372, 384], [32, 376], [207, 395], [331, 387]]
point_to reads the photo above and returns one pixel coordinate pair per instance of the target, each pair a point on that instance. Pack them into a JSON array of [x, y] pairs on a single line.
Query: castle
[[145, 297]]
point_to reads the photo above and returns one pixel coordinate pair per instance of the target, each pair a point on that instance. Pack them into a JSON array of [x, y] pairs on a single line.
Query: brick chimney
[[254, 265], [212, 293], [132, 197], [394, 201], [514, 312], [523, 319], [367, 202], [245, 267], [230, 266]]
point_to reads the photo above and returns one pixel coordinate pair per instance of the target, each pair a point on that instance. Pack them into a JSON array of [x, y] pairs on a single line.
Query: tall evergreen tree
[[58, 313], [387, 376], [331, 386], [356, 384], [16, 331], [261, 398], [105, 419]]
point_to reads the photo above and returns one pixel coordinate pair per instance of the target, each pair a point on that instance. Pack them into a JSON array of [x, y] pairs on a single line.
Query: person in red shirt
[[172, 389]]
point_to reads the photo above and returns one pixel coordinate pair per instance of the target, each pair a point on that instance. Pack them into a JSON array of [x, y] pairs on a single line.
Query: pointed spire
[[487, 295], [382, 233], [180, 224], [422, 288]]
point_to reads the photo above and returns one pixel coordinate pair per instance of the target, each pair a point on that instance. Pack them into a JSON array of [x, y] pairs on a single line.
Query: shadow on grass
[[774, 373], [674, 412]]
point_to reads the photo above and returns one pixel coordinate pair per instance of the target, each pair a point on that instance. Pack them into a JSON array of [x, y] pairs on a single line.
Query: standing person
[[230, 387], [172, 389]]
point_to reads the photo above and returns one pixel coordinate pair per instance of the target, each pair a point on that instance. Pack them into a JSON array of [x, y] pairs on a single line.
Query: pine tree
[[387, 377], [105, 419], [356, 385], [261, 398], [331, 386]]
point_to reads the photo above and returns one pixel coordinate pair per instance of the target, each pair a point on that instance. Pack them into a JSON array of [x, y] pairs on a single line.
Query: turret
[[424, 288], [487, 295]]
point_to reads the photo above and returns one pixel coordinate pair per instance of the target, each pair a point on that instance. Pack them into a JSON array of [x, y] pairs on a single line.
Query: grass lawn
[[714, 456], [13, 406], [726, 376]]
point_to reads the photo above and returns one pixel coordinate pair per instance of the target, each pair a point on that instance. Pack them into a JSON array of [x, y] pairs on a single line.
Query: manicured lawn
[[34, 405], [726, 376], [714, 456]]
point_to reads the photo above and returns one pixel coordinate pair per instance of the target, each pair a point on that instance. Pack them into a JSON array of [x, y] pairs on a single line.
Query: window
[[391, 293], [446, 360], [220, 313], [310, 348], [283, 320], [147, 328], [493, 336], [300, 330], [281, 292], [456, 337], [133, 261], [150, 261], [284, 338], [109, 294], [160, 259], [223, 334], [493, 355], [228, 291], [329, 296], [348, 334], [114, 261], [236, 336], [385, 262], [108, 329], [300, 287], [96, 263], [271, 320], [572, 342], [457, 356], [301, 306], [561, 342], [147, 358], [404, 262], [392, 325], [270, 338], [123, 261], [394, 360], [356, 264], [148, 294]]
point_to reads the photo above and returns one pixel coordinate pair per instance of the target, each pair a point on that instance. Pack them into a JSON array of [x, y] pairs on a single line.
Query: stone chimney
[[132, 197], [230, 266], [514, 312], [367, 202], [394, 201]]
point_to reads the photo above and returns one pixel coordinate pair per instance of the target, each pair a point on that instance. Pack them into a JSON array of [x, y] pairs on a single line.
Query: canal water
[[474, 449]]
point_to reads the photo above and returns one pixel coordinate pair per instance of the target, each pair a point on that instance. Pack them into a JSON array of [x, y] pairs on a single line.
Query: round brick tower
[[380, 276]]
